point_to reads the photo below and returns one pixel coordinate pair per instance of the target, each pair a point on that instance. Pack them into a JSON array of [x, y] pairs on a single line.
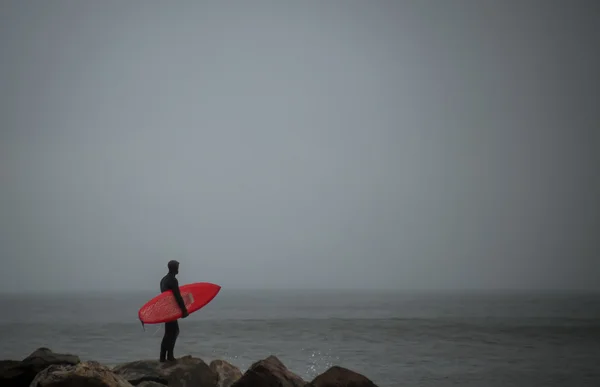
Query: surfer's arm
[[178, 298]]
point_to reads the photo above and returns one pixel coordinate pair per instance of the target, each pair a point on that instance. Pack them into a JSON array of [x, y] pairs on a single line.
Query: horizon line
[[322, 290]]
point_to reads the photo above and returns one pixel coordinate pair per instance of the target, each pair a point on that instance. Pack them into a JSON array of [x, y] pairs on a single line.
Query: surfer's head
[[173, 267]]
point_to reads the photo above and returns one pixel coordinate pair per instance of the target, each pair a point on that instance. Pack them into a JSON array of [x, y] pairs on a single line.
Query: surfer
[[169, 282]]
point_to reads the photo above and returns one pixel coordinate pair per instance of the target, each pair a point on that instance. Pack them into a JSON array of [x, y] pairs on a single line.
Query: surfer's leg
[[173, 338], [168, 343], [164, 345]]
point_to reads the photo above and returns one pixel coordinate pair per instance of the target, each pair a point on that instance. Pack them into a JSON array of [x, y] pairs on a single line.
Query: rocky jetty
[[44, 368]]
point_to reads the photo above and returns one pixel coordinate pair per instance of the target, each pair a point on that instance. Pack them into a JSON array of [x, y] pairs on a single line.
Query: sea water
[[394, 338]]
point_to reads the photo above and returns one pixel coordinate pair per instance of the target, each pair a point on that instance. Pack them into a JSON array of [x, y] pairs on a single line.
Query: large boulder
[[186, 371], [89, 374], [341, 377], [20, 373], [269, 372], [227, 373]]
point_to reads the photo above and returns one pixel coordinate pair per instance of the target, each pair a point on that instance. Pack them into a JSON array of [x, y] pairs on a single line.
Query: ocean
[[394, 338]]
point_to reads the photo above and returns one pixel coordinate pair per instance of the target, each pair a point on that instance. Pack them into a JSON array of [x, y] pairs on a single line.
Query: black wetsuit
[[167, 346]]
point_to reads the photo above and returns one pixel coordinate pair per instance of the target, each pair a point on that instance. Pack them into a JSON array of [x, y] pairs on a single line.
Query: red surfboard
[[164, 308]]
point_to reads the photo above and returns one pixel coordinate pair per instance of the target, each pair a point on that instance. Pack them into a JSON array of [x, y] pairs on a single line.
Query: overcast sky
[[328, 144]]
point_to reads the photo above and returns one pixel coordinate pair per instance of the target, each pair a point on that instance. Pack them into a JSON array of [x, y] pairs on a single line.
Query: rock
[[8, 371], [45, 357], [187, 371], [150, 384], [269, 372], [6, 364], [341, 377], [141, 371], [21, 373], [227, 374], [89, 374]]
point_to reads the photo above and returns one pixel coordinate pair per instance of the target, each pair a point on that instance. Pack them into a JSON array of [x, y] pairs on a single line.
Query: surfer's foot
[[169, 356]]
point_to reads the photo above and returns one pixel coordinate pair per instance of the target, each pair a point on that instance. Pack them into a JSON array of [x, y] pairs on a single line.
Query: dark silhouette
[[169, 282]]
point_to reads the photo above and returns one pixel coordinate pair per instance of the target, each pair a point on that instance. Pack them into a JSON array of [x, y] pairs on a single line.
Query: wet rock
[[21, 373], [341, 377], [269, 372], [187, 371], [89, 374], [227, 374]]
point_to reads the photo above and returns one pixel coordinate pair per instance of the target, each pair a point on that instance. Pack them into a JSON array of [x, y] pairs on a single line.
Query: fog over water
[[342, 144]]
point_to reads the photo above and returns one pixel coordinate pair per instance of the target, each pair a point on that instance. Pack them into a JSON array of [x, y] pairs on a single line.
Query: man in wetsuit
[[169, 282]]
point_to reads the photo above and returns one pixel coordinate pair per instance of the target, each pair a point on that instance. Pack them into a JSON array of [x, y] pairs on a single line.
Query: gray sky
[[337, 144]]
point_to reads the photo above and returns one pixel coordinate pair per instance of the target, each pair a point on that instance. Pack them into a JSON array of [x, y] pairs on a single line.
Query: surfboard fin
[[143, 327]]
